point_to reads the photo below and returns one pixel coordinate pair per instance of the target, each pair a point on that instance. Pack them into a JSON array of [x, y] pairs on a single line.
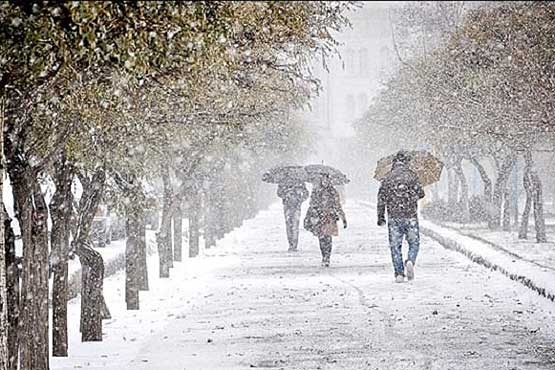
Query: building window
[[363, 62], [350, 62], [315, 108], [350, 107], [385, 56], [362, 103]]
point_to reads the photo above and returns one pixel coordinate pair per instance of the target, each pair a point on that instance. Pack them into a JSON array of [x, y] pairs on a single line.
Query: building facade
[[349, 83]]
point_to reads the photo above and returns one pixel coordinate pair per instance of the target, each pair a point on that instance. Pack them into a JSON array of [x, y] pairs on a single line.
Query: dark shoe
[[292, 249]]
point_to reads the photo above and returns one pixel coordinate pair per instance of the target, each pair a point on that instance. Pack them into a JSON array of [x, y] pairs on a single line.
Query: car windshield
[[99, 223]]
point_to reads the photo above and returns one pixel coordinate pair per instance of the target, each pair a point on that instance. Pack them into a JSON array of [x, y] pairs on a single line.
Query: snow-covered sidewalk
[[541, 254], [248, 303], [526, 262]]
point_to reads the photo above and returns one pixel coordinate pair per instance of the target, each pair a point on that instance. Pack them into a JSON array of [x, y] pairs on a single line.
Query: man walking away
[[399, 194], [292, 196]]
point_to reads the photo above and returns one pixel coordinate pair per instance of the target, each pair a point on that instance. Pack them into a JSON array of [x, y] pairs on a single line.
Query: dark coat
[[292, 195], [324, 212], [399, 194]]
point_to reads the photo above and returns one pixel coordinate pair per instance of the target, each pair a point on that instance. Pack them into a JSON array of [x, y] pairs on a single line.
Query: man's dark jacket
[[292, 195], [399, 194]]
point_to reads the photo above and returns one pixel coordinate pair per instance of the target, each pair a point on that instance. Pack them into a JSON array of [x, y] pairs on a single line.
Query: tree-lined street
[[258, 306], [145, 147]]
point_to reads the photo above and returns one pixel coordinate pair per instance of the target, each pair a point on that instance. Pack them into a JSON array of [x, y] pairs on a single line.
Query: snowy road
[[254, 305]]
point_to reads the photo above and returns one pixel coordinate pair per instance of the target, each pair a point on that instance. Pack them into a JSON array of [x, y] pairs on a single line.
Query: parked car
[[106, 227], [101, 231], [152, 220], [118, 229]]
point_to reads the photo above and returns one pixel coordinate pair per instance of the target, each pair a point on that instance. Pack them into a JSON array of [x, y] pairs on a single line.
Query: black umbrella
[[316, 171], [285, 175]]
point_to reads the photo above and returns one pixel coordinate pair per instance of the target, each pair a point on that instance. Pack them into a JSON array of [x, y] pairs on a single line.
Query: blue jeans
[[399, 228]]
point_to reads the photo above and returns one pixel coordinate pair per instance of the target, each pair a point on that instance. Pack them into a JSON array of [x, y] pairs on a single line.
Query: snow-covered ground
[[541, 254], [250, 304], [537, 276], [113, 255], [111, 252]]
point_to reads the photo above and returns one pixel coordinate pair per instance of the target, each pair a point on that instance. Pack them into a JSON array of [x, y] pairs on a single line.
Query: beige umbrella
[[427, 167]]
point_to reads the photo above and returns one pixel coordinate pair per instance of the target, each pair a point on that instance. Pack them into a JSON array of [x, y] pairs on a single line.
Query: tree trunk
[[177, 234], [222, 219], [60, 211], [106, 315], [534, 197], [539, 219], [452, 188], [464, 191], [507, 207], [500, 190], [92, 300], [215, 219], [31, 207], [163, 237], [169, 239], [514, 207], [4, 323], [12, 282], [527, 181], [92, 264], [533, 188], [136, 270], [32, 214], [515, 194], [142, 255], [485, 179], [435, 193], [209, 222], [194, 225], [131, 259]]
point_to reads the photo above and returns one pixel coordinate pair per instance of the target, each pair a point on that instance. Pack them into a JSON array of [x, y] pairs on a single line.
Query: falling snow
[[195, 185]]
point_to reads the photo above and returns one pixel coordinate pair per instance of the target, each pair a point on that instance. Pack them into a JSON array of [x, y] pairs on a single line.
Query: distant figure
[[292, 196], [399, 194], [322, 216]]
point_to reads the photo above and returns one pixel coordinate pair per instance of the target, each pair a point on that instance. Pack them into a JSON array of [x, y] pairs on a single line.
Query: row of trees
[[116, 96], [481, 93]]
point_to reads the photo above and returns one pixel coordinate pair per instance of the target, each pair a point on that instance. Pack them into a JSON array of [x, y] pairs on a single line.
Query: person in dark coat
[[292, 196], [322, 216], [398, 195]]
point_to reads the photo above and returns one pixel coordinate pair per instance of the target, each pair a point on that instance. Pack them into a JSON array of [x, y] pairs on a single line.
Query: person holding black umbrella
[[399, 193], [292, 195], [322, 216], [293, 192]]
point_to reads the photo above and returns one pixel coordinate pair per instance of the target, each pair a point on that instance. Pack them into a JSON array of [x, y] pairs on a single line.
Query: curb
[[450, 244]]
